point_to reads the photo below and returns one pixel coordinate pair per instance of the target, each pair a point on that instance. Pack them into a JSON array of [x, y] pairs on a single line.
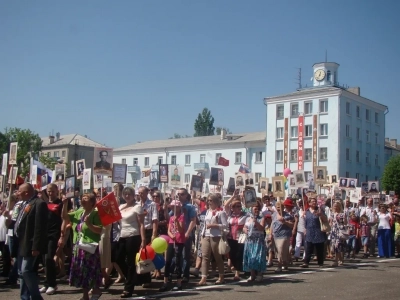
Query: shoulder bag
[[88, 247], [144, 266]]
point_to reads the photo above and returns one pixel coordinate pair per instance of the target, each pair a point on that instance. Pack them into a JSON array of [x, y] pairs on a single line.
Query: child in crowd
[[397, 235], [364, 233], [268, 240], [353, 234]]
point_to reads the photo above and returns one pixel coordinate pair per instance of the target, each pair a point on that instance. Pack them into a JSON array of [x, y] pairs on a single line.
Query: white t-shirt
[[384, 221], [129, 222], [3, 229], [369, 212]]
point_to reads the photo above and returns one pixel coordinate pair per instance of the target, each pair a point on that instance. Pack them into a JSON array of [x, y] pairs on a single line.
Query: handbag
[[144, 266], [88, 247], [325, 227], [223, 246], [242, 238]]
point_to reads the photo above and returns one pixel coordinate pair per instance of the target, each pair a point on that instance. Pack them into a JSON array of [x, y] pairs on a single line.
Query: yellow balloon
[[159, 245], [137, 258]]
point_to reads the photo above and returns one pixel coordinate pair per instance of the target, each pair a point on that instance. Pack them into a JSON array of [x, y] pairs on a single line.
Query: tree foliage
[[49, 162], [204, 124], [391, 175], [28, 142], [178, 136], [219, 129]]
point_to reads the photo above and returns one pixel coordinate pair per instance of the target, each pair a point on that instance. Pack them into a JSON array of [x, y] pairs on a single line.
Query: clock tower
[[325, 74]]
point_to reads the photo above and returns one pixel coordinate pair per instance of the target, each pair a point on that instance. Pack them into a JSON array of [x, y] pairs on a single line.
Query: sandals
[[126, 294], [202, 283], [219, 282]]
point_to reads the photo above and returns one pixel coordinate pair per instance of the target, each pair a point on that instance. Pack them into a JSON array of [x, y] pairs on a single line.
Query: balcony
[[201, 167], [133, 169]]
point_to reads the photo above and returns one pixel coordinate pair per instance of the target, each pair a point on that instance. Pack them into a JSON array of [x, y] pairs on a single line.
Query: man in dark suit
[[103, 163], [31, 230]]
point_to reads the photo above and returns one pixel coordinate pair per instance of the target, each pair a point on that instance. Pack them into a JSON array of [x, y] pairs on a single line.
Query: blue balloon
[[159, 261], [286, 185]]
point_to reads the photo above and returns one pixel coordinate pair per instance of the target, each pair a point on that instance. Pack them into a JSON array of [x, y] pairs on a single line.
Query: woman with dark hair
[[384, 232], [85, 266]]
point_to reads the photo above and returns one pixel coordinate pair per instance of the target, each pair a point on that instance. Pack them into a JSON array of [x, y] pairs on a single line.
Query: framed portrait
[[107, 184], [250, 197], [33, 175], [153, 183], [333, 179], [103, 161], [163, 172], [72, 167], [196, 183], [355, 195], [87, 174], [249, 179], [311, 183], [373, 187], [216, 176], [97, 181], [175, 176], [80, 166], [278, 187], [1, 182], [239, 180], [343, 182], [70, 186], [320, 175], [231, 186], [119, 173], [44, 181], [352, 183], [13, 153], [299, 178], [291, 181], [391, 194], [263, 185], [4, 164], [13, 175], [59, 172]]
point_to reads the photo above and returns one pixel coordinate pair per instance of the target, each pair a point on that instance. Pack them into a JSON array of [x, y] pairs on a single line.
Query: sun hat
[[288, 202]]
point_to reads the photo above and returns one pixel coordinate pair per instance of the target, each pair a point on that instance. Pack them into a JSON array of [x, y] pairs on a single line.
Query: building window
[[293, 155], [202, 158], [357, 156], [347, 130], [376, 160], [160, 160], [308, 131], [238, 157], [123, 161], [259, 156], [173, 160], [294, 110], [279, 133], [258, 176], [63, 153], [358, 176], [367, 158], [348, 108], [187, 159], [279, 155], [279, 111], [217, 156], [308, 108], [323, 106], [323, 153], [147, 161], [367, 135], [358, 112], [308, 154], [367, 114], [376, 118], [328, 75], [135, 161], [347, 154], [323, 129], [56, 154], [358, 134], [307, 175], [347, 174], [187, 178], [293, 132], [376, 138]]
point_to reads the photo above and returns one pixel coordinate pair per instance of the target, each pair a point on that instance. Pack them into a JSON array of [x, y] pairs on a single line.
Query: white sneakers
[[49, 291]]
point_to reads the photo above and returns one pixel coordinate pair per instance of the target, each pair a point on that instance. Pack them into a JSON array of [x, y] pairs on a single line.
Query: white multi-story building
[[326, 125], [196, 154]]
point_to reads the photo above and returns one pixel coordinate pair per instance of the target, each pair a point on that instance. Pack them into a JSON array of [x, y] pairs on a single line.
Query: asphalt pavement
[[358, 279]]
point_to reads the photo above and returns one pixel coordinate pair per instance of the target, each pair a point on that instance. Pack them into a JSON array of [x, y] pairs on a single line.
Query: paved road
[[358, 279]]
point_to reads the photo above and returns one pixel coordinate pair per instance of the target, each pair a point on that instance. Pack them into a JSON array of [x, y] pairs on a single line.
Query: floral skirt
[[85, 269], [254, 256]]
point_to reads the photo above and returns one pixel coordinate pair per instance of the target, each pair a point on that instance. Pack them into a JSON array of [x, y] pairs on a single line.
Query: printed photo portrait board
[[87, 174], [119, 173], [13, 153], [175, 176], [70, 186], [60, 172], [80, 166], [103, 161], [278, 186], [320, 176], [216, 176], [196, 184], [163, 172]]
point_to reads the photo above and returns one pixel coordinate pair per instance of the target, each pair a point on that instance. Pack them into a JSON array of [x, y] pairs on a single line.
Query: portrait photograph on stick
[[215, 176], [196, 183], [33, 175], [250, 197], [60, 172], [153, 183], [231, 186], [373, 187], [343, 182], [13, 175], [163, 172], [239, 180], [320, 175], [263, 185], [249, 179], [87, 174], [333, 179], [70, 186], [119, 173], [299, 178], [352, 183], [80, 166], [175, 176], [13, 153], [97, 181], [103, 161], [4, 164], [278, 187]]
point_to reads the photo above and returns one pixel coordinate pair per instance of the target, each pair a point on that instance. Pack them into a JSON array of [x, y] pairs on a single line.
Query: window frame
[[280, 130], [186, 160], [321, 151], [147, 161], [238, 155], [321, 126], [291, 132], [292, 151], [308, 104], [326, 107], [217, 156], [277, 156], [305, 131], [278, 107], [296, 113]]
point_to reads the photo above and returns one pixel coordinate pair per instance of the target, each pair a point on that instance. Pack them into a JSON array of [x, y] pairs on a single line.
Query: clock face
[[319, 74]]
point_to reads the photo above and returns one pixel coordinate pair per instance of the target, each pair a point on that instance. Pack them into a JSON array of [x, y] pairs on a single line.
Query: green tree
[[219, 129], [178, 136], [391, 175], [28, 142], [204, 124], [49, 162]]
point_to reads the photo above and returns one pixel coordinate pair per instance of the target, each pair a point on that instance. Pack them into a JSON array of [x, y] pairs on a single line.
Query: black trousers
[[50, 264], [319, 247], [127, 249], [174, 252], [5, 250], [236, 254]]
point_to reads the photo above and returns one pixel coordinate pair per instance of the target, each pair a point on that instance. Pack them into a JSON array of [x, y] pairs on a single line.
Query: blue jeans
[[29, 281], [186, 257], [13, 276]]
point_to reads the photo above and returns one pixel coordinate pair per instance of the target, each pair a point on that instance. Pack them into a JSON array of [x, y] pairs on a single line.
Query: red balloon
[[147, 253]]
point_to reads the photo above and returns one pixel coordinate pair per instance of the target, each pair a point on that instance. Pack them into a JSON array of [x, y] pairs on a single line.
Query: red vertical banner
[[315, 141], [285, 144], [300, 144]]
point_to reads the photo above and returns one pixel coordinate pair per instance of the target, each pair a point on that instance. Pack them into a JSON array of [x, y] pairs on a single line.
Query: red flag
[[108, 210], [223, 162]]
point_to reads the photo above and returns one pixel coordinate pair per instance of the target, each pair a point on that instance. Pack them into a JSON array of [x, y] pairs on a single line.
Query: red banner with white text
[[300, 143]]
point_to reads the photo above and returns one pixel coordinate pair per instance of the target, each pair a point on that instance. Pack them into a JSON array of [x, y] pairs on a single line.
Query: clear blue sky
[[128, 71]]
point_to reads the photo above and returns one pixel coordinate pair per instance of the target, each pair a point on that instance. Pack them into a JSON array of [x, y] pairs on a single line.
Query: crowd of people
[[67, 238]]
